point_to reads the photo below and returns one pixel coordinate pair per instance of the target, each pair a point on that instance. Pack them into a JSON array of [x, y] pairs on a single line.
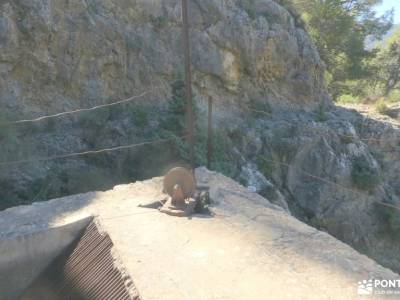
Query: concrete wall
[[22, 259]]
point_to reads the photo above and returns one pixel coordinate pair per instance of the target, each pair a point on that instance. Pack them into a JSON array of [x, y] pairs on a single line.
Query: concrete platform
[[250, 249]]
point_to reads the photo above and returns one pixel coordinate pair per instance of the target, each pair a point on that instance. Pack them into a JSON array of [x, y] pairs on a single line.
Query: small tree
[[391, 67], [339, 28], [363, 175]]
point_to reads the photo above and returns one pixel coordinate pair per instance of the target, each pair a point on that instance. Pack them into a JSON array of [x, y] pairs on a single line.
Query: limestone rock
[[257, 183], [57, 56], [84, 54], [335, 175]]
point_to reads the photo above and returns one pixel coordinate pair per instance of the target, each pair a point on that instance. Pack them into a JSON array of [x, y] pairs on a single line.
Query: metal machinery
[[180, 186]]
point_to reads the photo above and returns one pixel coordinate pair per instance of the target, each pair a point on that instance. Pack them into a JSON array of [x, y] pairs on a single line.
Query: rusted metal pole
[[188, 81], [210, 134]]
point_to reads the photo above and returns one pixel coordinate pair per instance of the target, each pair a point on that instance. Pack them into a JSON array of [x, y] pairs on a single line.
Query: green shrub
[[380, 106], [173, 124], [139, 115], [394, 96], [249, 7], [265, 163], [363, 175], [159, 22], [12, 195], [94, 124], [95, 119], [259, 109], [349, 99], [223, 160], [283, 142], [347, 139], [134, 43], [291, 8], [9, 197], [175, 120], [390, 215], [394, 221], [321, 115], [271, 18]]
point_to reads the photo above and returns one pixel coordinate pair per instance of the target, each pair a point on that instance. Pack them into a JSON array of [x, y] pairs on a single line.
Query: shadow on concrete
[[84, 271], [23, 258]]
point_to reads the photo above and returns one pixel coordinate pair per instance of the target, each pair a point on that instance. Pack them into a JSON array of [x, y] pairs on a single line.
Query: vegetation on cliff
[[356, 71]]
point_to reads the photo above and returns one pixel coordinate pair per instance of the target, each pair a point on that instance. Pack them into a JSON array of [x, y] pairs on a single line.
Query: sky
[[389, 4]]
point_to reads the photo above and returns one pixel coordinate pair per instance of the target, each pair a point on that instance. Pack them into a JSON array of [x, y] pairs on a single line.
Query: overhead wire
[[90, 152], [80, 110]]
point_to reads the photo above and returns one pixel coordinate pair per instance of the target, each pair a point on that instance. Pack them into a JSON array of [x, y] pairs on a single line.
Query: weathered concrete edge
[[261, 212], [23, 258]]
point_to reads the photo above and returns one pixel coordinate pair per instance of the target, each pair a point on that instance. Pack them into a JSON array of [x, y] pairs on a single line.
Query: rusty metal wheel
[[181, 176]]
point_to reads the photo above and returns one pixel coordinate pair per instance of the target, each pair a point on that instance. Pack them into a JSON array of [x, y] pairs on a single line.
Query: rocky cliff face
[[68, 54], [57, 56], [64, 55], [339, 174]]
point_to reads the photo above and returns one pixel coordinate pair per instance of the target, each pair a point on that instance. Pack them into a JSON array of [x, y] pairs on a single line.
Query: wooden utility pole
[[188, 81], [210, 134]]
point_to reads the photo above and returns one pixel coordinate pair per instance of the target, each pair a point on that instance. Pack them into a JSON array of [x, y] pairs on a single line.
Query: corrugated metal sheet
[[86, 272]]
